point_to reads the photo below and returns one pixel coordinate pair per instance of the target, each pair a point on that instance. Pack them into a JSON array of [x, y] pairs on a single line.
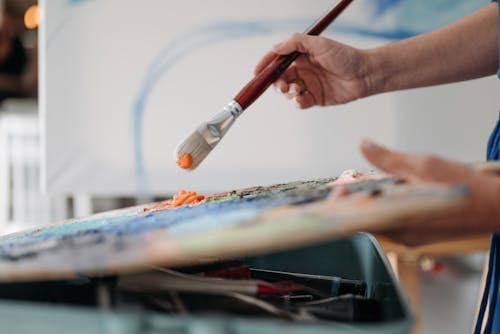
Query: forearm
[[466, 49]]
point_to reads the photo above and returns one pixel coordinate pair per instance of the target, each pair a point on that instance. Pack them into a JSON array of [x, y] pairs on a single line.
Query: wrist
[[376, 72]]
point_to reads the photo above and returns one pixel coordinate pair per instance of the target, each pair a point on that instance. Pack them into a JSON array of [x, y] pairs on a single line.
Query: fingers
[[285, 84], [300, 96], [297, 42], [264, 61], [414, 167], [295, 88], [388, 161], [294, 92], [298, 93], [338, 192], [281, 86], [304, 101]]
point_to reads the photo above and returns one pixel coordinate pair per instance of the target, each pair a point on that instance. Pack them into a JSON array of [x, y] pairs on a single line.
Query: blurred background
[[22, 201], [96, 94]]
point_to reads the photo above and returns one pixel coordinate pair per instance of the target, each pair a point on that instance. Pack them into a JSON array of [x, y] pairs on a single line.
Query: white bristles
[[196, 146], [202, 141]]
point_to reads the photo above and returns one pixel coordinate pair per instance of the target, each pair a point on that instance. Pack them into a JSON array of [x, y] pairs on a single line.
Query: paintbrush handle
[[259, 84]]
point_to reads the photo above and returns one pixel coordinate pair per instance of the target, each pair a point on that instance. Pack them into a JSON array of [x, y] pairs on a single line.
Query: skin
[[336, 73], [479, 215]]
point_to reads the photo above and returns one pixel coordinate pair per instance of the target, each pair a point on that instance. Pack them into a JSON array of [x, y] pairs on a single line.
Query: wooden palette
[[228, 225]]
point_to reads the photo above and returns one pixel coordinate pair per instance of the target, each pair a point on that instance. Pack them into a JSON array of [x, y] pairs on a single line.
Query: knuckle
[[297, 41]]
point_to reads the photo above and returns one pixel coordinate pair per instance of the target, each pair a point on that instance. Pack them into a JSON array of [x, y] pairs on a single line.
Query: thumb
[[415, 167], [397, 164]]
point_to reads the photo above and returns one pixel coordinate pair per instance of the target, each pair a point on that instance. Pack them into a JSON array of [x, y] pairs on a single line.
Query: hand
[[333, 73], [480, 214]]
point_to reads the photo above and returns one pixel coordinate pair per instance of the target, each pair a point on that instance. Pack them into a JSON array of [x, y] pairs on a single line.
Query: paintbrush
[[192, 151], [164, 280]]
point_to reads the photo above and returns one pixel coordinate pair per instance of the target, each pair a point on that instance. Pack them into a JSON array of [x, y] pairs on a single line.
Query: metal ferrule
[[234, 108], [213, 130]]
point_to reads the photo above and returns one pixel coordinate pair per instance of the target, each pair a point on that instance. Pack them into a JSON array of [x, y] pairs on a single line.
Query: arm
[[466, 49], [335, 73]]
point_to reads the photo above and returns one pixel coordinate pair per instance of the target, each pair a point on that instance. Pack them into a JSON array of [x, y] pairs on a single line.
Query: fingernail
[[293, 90], [369, 145]]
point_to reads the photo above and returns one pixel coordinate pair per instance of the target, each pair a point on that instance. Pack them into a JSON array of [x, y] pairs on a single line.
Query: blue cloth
[[498, 73], [491, 287]]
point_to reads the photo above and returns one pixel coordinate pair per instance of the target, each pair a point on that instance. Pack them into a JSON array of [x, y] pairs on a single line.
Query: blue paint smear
[[182, 221], [383, 6], [73, 5], [434, 14]]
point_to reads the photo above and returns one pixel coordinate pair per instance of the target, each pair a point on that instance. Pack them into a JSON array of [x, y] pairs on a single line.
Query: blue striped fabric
[[498, 72], [491, 287]]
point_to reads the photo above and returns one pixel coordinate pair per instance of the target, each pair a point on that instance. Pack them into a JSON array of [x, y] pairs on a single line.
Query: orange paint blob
[[185, 162], [186, 197], [182, 198]]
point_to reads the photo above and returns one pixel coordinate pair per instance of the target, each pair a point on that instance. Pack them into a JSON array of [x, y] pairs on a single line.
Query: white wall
[[454, 121]]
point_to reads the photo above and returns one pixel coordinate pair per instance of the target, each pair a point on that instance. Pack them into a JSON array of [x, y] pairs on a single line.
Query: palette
[[227, 225]]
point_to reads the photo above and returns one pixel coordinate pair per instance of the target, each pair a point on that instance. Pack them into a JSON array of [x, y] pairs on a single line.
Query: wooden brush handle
[[258, 85]]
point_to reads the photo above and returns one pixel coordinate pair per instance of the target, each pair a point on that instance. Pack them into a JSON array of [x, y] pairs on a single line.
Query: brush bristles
[[196, 146]]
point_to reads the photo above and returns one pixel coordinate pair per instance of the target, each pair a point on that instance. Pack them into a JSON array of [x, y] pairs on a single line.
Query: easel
[[405, 262]]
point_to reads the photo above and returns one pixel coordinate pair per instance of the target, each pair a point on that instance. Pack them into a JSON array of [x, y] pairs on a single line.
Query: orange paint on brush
[[185, 162], [182, 198]]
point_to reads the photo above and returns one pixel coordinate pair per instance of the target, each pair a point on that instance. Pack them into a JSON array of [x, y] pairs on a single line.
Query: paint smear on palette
[[225, 225], [184, 197], [218, 211], [353, 176]]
